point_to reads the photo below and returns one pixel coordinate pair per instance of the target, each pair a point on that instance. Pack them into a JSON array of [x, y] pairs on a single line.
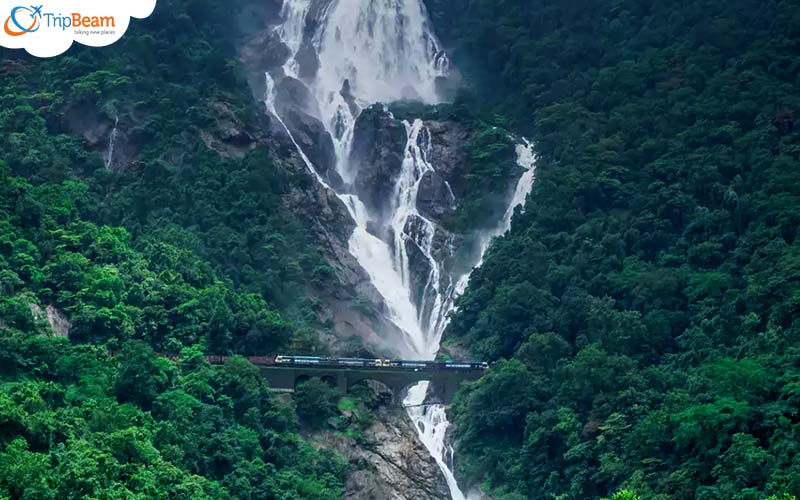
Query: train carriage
[[354, 362], [261, 360]]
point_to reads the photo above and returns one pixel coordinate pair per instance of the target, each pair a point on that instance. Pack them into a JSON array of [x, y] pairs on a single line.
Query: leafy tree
[[76, 423], [316, 401], [142, 374], [658, 248]]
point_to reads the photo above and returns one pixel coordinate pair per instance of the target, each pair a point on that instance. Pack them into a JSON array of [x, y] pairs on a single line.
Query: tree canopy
[[646, 300]]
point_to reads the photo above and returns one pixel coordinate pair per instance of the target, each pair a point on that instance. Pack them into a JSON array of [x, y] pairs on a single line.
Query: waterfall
[[431, 421], [112, 139], [269, 101], [370, 51]]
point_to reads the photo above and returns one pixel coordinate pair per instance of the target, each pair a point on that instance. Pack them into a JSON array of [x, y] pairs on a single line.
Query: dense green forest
[[644, 310], [643, 313], [112, 291], [75, 424], [182, 247], [220, 213]]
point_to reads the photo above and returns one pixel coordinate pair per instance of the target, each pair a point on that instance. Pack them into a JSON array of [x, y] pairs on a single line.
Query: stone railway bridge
[[444, 383], [445, 377]]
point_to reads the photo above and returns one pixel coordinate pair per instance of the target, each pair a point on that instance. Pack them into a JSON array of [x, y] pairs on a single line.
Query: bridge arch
[[301, 379], [397, 386], [385, 393], [444, 383]]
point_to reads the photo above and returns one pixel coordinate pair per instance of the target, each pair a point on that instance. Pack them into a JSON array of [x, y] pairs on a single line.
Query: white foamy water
[[381, 51], [112, 141], [431, 421]]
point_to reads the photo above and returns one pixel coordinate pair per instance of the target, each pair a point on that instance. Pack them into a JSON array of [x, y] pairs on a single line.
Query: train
[[329, 362], [380, 363]]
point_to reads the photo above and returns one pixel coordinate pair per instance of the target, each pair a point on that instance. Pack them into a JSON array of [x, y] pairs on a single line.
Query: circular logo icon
[[18, 28]]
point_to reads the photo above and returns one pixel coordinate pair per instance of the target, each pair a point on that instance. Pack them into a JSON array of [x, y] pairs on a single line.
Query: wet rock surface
[[307, 61], [418, 262], [97, 129], [376, 157], [52, 321], [389, 462], [435, 198], [264, 51], [228, 135], [447, 153], [298, 109], [349, 305], [349, 302]]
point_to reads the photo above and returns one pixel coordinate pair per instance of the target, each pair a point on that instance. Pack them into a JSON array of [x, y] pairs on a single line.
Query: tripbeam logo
[[13, 26], [45, 31]]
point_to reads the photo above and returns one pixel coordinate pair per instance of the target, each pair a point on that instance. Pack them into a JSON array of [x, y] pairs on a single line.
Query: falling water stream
[[384, 51], [112, 140]]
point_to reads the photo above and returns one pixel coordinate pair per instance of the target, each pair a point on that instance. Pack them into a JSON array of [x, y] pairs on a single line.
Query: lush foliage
[[198, 175], [646, 301], [110, 291], [75, 424], [317, 401], [184, 241]]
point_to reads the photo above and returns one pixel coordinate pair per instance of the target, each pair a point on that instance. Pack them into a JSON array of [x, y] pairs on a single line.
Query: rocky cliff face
[[435, 199], [50, 320], [394, 465], [379, 142], [103, 134], [448, 155], [299, 111], [349, 303], [388, 461]]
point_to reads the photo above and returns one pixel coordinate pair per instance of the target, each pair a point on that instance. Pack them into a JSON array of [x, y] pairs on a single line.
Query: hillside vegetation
[[178, 96], [170, 244], [644, 310], [76, 424]]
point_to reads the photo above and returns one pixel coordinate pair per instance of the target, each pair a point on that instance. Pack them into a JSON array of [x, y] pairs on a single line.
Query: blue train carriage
[[466, 365], [413, 365], [303, 360]]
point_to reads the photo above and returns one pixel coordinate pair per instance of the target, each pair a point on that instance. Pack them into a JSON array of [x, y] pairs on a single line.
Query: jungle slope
[[645, 309], [182, 237], [172, 143]]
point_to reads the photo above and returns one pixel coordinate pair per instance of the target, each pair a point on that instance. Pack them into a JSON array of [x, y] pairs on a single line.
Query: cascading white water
[[431, 421], [112, 140], [384, 50], [381, 51], [527, 160]]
